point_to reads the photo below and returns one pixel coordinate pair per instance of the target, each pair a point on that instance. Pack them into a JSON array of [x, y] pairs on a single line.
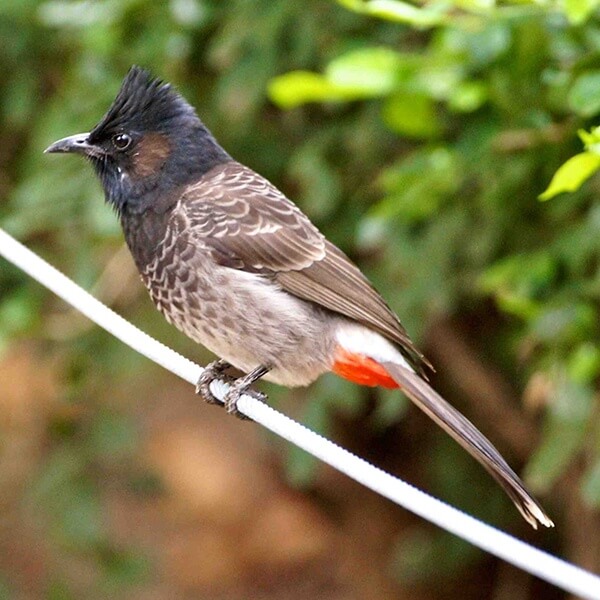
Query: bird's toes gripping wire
[[215, 370], [235, 392], [240, 387], [237, 387]]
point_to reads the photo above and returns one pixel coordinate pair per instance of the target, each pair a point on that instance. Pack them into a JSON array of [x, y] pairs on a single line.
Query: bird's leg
[[215, 370], [240, 387]]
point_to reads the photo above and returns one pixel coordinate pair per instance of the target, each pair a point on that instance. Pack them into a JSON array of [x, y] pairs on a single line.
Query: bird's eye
[[121, 141]]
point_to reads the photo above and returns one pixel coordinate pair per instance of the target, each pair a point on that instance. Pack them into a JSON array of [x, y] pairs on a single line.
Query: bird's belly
[[249, 321]]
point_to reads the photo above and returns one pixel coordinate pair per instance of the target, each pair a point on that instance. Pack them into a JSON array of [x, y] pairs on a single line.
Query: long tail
[[471, 439]]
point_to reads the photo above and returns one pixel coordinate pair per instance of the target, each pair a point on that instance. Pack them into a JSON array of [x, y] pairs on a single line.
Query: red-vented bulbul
[[236, 266]]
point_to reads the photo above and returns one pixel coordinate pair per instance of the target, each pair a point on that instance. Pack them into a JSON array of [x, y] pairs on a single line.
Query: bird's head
[[148, 143]]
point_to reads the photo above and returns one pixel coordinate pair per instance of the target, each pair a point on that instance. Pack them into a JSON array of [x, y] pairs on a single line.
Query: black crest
[[144, 103]]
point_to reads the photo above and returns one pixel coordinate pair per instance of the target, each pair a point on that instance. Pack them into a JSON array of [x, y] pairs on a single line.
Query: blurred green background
[[418, 138]]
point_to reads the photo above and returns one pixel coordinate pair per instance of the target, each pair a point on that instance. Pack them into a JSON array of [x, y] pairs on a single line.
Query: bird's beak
[[74, 143]]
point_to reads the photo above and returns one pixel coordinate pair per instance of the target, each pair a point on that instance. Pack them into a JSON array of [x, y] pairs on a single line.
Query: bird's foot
[[215, 370], [240, 387], [236, 390], [237, 387]]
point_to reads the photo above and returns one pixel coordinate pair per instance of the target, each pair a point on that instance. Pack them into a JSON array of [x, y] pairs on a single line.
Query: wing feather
[[247, 223]]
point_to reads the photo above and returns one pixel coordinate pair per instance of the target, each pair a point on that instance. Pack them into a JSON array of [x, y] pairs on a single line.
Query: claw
[[215, 370], [236, 390]]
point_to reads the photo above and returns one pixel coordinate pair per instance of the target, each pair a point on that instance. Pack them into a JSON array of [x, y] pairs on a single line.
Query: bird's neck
[[196, 154], [144, 230]]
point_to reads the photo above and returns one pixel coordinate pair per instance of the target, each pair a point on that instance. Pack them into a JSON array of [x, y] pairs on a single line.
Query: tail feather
[[471, 439]]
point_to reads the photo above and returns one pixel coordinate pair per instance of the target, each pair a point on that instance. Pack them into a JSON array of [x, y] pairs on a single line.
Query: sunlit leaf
[[80, 13], [188, 12], [395, 10], [578, 11], [572, 174], [364, 73], [476, 5], [299, 87], [468, 96], [372, 71], [412, 115], [591, 139]]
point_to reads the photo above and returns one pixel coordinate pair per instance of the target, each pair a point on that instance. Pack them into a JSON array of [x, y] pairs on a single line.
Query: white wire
[[537, 562]]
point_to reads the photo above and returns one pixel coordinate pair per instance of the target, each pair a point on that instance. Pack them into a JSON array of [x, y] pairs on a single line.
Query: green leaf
[[7, 592], [360, 74], [354, 5], [478, 6], [371, 71], [590, 139], [399, 12], [578, 11], [584, 363], [299, 87], [468, 96], [412, 115], [572, 174], [584, 96], [403, 12]]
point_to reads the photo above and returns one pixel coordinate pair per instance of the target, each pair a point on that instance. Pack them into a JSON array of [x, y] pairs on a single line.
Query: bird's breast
[[245, 318]]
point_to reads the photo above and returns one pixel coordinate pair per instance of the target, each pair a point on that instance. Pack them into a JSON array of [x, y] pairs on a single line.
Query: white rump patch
[[359, 339]]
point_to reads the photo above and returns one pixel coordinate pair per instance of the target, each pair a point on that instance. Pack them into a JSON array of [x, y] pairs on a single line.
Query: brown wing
[[337, 283], [248, 224]]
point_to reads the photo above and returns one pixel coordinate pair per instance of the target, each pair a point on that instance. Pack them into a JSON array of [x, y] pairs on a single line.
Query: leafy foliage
[[490, 104]]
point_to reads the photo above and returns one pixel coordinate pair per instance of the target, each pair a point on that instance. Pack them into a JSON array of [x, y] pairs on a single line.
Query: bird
[[235, 265]]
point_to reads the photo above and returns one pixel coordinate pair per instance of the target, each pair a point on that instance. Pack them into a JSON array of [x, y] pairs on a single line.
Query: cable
[[537, 562]]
